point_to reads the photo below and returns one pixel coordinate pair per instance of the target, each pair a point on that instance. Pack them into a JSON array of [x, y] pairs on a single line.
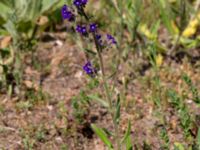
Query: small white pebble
[[50, 107], [78, 74], [59, 139], [189, 101], [58, 43]]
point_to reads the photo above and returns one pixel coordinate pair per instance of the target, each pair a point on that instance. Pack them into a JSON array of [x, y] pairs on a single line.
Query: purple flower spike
[[67, 14], [81, 29], [80, 3], [77, 3], [78, 28], [114, 41], [93, 27], [99, 40], [89, 69], [84, 30], [84, 2], [64, 11], [111, 38]]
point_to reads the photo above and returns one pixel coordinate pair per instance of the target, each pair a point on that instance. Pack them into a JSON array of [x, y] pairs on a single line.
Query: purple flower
[[77, 3], [99, 40], [81, 29], [89, 69], [78, 28], [80, 3], [67, 14], [93, 27], [84, 2], [111, 39]]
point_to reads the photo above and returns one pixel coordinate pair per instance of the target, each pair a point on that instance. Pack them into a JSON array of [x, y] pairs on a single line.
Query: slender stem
[[107, 92], [103, 70], [108, 95]]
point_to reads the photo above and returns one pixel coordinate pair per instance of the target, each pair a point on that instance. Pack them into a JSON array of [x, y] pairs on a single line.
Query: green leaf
[[98, 99], [155, 27], [18, 15], [127, 134], [129, 145], [178, 146], [34, 10], [102, 135], [11, 28], [9, 3], [165, 15], [117, 111], [47, 4], [109, 133], [127, 138], [4, 52], [4, 10]]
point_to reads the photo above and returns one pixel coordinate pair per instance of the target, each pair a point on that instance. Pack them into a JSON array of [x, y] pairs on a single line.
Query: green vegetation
[[136, 86]]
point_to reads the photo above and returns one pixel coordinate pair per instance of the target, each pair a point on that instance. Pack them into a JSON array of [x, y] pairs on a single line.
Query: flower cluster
[[89, 69], [105, 42], [111, 39], [67, 14], [80, 3], [101, 41], [83, 28]]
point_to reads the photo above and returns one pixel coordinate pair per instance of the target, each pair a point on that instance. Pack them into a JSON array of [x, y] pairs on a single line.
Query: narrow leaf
[[98, 99], [129, 145], [102, 135], [127, 134], [117, 112]]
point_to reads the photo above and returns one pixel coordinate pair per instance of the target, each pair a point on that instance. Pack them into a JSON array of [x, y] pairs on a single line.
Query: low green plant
[[64, 147], [156, 93], [164, 136], [80, 105], [40, 133], [28, 143], [9, 70], [19, 18], [24, 105], [192, 88], [88, 30], [36, 96], [185, 118]]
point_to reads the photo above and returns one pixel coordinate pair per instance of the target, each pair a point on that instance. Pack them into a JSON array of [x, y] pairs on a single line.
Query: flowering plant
[[101, 42]]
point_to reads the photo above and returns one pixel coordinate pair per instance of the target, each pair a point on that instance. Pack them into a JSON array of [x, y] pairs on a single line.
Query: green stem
[[108, 95], [106, 88]]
